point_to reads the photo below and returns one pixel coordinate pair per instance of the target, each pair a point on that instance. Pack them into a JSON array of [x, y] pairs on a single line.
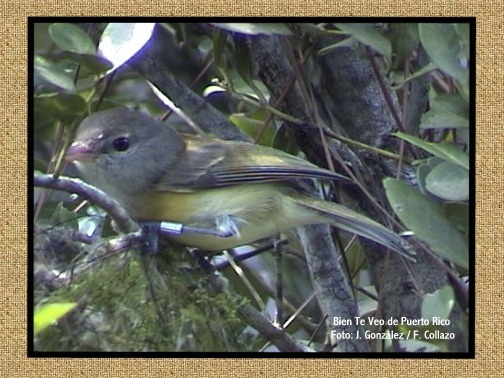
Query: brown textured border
[[489, 204]]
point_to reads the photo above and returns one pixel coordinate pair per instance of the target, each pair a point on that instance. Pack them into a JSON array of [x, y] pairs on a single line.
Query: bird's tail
[[351, 221]]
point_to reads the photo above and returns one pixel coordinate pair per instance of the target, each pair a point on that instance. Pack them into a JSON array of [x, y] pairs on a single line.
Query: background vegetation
[[387, 104]]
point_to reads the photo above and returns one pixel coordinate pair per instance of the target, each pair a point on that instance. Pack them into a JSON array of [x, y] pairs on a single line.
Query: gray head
[[126, 146]]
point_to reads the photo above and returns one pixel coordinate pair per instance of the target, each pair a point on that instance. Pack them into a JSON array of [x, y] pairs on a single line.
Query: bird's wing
[[206, 163]]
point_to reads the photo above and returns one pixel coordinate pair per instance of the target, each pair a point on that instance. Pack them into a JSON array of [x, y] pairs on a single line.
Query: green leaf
[[255, 89], [464, 137], [72, 38], [251, 124], [404, 40], [255, 28], [60, 106], [63, 216], [421, 173], [446, 151], [464, 33], [348, 42], [451, 102], [428, 221], [448, 110], [458, 213], [94, 63], [420, 72], [438, 304], [283, 140], [369, 36], [449, 182], [244, 62], [121, 41], [447, 50], [313, 30], [50, 314], [219, 46], [440, 119], [52, 74], [423, 170]]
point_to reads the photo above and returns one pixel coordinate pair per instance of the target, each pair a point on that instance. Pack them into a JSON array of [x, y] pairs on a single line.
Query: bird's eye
[[121, 144]]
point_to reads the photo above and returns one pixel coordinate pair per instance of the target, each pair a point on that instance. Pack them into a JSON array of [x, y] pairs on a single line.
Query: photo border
[[14, 268]]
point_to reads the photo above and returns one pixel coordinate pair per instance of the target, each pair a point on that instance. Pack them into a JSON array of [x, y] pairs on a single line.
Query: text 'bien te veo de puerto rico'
[[390, 333]]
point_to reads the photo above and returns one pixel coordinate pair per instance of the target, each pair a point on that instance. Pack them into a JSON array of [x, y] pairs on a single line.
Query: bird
[[227, 193]]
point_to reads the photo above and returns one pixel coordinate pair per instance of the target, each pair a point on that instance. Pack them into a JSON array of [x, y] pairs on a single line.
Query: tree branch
[[113, 208], [199, 110], [277, 336], [333, 292]]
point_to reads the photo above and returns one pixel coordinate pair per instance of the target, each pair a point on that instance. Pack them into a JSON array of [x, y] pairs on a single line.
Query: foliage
[[127, 301]]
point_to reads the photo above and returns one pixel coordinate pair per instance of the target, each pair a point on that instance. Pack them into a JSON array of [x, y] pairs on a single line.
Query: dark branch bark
[[149, 65], [365, 112], [334, 293], [274, 68]]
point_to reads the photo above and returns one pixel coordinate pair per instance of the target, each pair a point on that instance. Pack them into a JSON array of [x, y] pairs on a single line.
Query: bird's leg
[[150, 237], [225, 227]]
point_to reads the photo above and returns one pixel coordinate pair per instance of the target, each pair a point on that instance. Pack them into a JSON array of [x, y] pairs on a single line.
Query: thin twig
[[98, 197]]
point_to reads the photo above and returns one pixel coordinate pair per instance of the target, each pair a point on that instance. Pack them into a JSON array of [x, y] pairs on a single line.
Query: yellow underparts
[[259, 211]]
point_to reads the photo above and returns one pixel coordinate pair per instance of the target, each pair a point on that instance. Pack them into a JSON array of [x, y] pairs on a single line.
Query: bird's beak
[[79, 151]]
